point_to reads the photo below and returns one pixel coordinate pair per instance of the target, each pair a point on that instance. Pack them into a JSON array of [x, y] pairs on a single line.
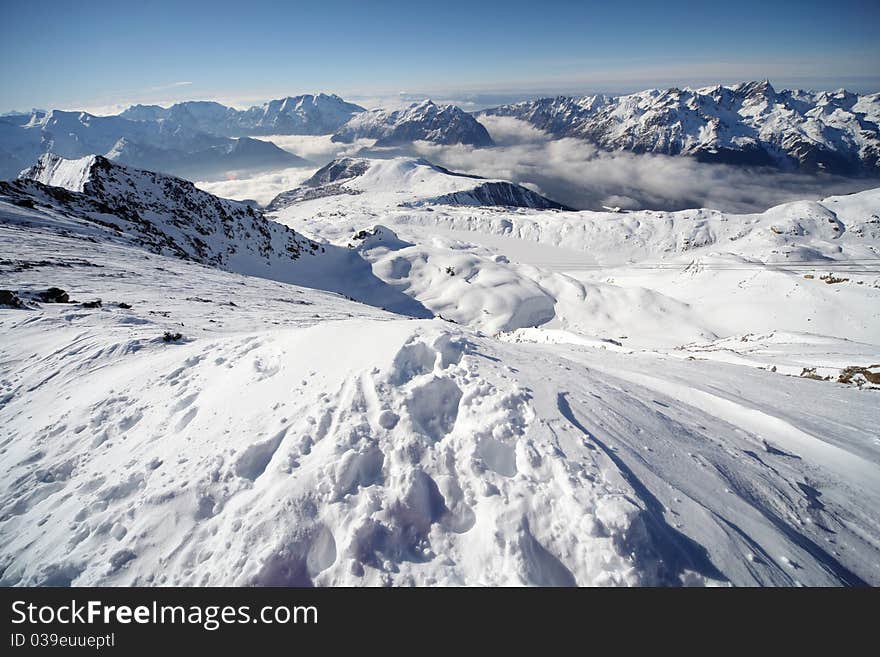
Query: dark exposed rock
[[53, 295], [10, 298]]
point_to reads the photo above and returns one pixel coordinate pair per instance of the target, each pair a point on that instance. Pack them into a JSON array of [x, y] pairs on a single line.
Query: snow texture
[[638, 398]]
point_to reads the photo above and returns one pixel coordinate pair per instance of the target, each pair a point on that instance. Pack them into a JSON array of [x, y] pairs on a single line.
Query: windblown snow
[[519, 395]]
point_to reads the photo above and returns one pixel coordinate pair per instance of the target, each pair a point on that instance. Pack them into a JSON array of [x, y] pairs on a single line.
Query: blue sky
[[94, 54]]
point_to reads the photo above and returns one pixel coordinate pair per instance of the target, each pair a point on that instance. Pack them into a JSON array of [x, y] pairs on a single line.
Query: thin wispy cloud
[[172, 85]]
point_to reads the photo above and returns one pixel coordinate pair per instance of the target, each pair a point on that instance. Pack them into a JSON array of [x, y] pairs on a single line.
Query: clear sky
[[103, 53]]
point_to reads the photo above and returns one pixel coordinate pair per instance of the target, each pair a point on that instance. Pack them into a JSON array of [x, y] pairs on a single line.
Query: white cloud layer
[[318, 148], [570, 171], [262, 188], [576, 173]]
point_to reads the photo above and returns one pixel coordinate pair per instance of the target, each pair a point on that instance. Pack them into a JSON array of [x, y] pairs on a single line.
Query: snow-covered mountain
[[749, 123], [95, 198], [162, 145], [411, 183], [308, 114], [300, 115], [195, 115], [162, 213], [441, 124]]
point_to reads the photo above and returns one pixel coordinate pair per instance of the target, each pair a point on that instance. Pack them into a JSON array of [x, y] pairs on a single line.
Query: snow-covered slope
[[275, 445], [163, 145], [409, 182], [749, 123], [441, 124], [308, 114], [94, 198], [201, 426], [657, 278]]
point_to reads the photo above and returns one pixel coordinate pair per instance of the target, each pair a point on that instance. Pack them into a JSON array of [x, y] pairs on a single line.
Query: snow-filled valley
[[397, 375]]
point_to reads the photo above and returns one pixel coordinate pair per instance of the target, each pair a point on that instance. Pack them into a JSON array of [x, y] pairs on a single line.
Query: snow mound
[[457, 286]]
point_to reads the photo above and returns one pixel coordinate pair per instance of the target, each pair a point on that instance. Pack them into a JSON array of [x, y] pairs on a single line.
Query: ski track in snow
[[292, 436]]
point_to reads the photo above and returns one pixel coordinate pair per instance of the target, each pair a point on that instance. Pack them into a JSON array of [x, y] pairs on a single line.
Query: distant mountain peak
[[425, 121], [415, 182]]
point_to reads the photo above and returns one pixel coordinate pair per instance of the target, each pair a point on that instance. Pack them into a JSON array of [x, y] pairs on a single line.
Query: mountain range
[[308, 114], [160, 145], [745, 124], [749, 123], [204, 140]]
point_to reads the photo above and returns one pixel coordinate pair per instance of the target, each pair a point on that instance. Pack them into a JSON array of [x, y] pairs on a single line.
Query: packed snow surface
[[599, 399]]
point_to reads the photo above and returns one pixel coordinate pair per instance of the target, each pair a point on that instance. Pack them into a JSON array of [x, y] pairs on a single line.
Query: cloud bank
[[578, 174], [571, 171], [262, 188]]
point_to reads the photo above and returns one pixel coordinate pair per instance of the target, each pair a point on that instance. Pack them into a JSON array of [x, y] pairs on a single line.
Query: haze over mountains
[[160, 145], [300, 115]]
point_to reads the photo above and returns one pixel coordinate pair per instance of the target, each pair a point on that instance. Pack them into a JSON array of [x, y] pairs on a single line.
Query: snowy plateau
[[398, 374]]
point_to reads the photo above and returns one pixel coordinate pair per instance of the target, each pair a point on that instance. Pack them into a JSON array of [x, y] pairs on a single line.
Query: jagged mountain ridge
[[307, 114], [411, 183], [427, 121], [95, 199], [163, 214], [749, 123]]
